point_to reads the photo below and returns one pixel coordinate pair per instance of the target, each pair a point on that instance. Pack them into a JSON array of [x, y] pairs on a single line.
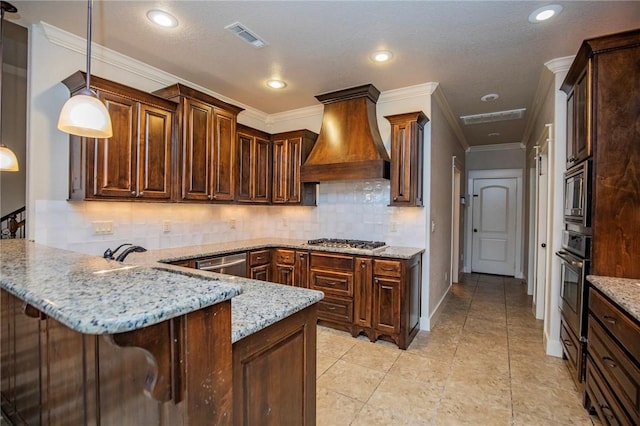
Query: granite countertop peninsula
[[96, 296], [623, 291], [93, 295]]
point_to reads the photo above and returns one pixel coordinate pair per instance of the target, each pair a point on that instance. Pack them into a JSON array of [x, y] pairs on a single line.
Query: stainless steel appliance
[[230, 264], [357, 244], [577, 196], [574, 292]]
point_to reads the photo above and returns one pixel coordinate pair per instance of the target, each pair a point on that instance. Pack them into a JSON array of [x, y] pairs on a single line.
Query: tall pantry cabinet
[[603, 90]]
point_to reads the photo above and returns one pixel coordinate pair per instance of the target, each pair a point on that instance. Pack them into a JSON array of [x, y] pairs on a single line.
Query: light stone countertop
[[623, 291], [96, 296]]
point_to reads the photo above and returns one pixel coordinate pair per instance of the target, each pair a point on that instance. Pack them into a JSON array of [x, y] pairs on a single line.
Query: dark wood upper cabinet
[[578, 146], [407, 153], [605, 76], [137, 161], [290, 151], [253, 165], [206, 144]]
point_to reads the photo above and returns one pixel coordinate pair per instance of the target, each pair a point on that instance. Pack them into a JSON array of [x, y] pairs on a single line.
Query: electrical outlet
[[433, 226], [446, 277], [393, 227], [102, 227], [166, 226], [232, 224]]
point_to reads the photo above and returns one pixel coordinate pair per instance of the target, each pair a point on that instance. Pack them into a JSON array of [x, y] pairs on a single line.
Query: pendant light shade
[[84, 114], [8, 160]]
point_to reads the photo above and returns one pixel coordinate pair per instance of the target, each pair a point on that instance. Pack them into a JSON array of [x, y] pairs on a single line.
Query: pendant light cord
[[89, 7]]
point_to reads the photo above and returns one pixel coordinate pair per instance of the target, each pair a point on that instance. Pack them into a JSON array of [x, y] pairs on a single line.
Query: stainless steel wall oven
[[577, 196], [574, 267]]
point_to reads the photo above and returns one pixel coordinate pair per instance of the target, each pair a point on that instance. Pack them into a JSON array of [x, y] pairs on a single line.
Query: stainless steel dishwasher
[[230, 264]]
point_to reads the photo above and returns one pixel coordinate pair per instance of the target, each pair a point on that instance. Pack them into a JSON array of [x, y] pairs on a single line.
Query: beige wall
[[495, 159], [444, 146]]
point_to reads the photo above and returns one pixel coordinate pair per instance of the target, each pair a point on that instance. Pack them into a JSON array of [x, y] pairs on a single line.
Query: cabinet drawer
[[335, 309], [285, 257], [332, 282], [259, 257], [570, 345], [332, 261], [618, 371], [615, 322], [388, 268], [605, 404]]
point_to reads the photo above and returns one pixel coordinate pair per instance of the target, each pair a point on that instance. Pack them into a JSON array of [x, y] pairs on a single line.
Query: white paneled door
[[494, 226]]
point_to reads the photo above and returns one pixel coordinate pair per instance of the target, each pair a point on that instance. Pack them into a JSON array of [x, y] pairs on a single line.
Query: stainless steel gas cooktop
[[357, 244]]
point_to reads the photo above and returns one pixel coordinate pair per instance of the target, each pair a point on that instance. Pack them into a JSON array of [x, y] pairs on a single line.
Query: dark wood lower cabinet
[[274, 373]]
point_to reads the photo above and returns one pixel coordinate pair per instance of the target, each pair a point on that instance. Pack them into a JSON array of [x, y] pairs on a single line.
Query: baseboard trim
[[427, 323], [553, 347]]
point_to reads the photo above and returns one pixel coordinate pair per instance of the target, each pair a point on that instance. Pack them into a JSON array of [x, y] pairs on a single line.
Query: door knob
[[475, 230], [543, 245]]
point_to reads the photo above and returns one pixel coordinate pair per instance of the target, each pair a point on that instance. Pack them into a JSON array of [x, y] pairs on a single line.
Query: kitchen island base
[[183, 371]]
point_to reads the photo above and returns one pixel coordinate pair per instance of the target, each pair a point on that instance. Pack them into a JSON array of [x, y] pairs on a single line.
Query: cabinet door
[[112, 162], [223, 156], [280, 171], [284, 274], [386, 305], [244, 153], [196, 150], [262, 272], [362, 292], [401, 164], [155, 137], [582, 142], [261, 167], [294, 158], [301, 272], [571, 129]]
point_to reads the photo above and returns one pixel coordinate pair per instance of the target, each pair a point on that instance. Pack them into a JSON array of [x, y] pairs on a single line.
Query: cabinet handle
[[387, 268], [607, 412], [331, 308], [609, 362], [363, 265], [567, 342], [133, 192], [332, 284], [141, 193], [609, 319], [210, 196]]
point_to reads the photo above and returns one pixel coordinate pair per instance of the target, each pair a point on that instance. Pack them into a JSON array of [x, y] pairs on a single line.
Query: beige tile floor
[[482, 364]]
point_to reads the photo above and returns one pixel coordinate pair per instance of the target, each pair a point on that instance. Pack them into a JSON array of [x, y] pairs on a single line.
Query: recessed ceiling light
[[381, 56], [276, 84], [544, 13], [490, 97], [162, 18]]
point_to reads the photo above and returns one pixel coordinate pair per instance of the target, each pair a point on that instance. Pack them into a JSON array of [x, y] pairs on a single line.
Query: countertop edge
[[625, 292]]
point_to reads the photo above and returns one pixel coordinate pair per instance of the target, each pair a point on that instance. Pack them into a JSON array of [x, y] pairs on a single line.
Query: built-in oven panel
[[573, 296]]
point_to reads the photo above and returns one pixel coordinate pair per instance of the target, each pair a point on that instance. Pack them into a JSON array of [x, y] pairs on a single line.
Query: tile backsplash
[[353, 209]]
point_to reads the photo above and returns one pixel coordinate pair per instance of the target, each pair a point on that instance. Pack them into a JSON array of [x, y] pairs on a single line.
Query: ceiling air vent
[[490, 117], [246, 34]]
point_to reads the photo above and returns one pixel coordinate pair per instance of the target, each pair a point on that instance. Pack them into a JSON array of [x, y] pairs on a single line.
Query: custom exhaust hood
[[349, 145]]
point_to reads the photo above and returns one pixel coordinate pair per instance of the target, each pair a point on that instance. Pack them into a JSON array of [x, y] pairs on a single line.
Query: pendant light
[[84, 114], [8, 160]]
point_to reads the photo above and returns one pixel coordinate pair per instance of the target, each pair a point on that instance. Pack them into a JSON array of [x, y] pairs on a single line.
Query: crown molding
[[441, 100], [296, 114], [496, 147], [559, 64], [409, 92], [108, 56]]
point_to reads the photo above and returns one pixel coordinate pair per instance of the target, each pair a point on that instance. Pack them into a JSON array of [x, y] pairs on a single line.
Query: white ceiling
[[470, 47]]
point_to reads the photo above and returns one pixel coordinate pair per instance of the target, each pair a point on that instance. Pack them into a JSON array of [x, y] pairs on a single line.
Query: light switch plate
[[102, 227]]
